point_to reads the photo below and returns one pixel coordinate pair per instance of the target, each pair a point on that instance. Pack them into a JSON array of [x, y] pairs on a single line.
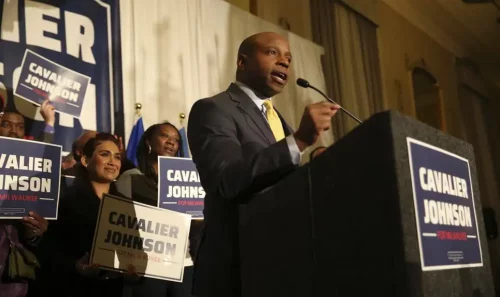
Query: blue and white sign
[[83, 36], [29, 178], [43, 79], [447, 227], [179, 186]]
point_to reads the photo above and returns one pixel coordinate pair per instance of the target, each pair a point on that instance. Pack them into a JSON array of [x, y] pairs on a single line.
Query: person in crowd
[[64, 252], [12, 123], [141, 185], [316, 152], [77, 151], [241, 145], [25, 234], [68, 162]]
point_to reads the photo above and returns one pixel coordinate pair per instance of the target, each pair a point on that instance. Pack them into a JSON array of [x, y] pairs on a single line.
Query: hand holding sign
[[131, 276], [41, 78], [48, 112], [83, 267], [153, 240], [35, 225], [29, 178]]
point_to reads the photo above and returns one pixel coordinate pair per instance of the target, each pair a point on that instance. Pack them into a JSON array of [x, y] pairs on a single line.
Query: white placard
[[154, 240]]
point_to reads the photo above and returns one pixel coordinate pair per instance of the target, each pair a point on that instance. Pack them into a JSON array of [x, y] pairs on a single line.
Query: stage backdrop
[[176, 52], [80, 35]]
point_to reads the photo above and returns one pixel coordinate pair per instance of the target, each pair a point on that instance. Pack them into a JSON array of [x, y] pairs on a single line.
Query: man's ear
[[85, 161], [241, 62]]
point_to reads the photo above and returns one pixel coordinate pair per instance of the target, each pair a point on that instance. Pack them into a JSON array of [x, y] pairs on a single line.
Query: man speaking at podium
[[241, 145]]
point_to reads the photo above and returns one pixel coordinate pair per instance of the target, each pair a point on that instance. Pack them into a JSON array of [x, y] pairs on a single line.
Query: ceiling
[[481, 21], [467, 30]]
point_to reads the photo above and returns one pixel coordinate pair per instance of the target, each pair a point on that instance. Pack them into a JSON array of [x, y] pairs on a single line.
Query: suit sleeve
[[219, 156]]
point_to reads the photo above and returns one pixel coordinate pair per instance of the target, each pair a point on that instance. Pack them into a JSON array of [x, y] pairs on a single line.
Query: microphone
[[305, 84]]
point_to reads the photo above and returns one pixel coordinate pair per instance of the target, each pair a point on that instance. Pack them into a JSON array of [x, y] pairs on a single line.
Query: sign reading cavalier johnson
[[41, 79], [153, 240], [29, 178], [444, 207], [179, 186]]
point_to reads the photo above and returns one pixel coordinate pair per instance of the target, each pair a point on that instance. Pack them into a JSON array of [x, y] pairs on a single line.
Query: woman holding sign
[[19, 279], [141, 185], [68, 242]]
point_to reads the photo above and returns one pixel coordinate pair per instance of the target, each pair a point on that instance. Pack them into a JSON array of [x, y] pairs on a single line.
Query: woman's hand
[[35, 225], [83, 267], [131, 274]]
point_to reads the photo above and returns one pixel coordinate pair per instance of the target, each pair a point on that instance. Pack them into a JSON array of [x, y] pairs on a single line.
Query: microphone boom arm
[[331, 100]]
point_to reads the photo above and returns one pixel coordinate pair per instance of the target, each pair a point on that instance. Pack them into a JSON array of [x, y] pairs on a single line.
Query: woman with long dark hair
[[68, 241], [141, 185]]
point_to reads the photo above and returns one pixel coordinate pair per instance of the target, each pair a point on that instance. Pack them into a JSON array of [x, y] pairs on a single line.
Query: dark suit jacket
[[67, 239], [237, 156]]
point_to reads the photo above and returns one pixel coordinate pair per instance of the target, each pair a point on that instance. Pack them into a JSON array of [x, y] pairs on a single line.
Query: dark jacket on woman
[[67, 240]]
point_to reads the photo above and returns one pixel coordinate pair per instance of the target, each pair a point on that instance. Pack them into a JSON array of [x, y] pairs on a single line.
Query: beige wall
[[401, 44], [367, 8], [296, 12], [243, 4]]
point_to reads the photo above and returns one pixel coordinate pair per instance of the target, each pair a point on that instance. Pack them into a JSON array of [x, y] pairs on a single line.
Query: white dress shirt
[[259, 101]]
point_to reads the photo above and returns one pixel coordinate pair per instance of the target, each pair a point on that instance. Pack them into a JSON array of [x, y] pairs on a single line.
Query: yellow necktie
[[274, 121]]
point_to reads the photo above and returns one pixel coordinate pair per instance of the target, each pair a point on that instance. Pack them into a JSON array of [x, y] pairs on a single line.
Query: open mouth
[[279, 77]]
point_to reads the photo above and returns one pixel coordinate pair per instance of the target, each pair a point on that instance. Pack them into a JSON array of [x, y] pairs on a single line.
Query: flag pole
[[183, 134], [135, 135], [138, 107], [182, 116]]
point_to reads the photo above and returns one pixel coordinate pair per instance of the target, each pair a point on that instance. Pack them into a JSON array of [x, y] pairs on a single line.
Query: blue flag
[[184, 141], [133, 141]]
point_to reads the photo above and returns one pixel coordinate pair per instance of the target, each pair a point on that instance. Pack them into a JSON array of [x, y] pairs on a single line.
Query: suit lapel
[[248, 106]]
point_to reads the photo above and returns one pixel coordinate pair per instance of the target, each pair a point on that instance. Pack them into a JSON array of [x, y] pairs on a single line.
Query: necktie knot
[[268, 104]]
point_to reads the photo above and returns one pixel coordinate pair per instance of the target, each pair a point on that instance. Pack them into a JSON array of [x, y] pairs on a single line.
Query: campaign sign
[[30, 175], [43, 79], [444, 207], [179, 186], [153, 240], [81, 35]]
